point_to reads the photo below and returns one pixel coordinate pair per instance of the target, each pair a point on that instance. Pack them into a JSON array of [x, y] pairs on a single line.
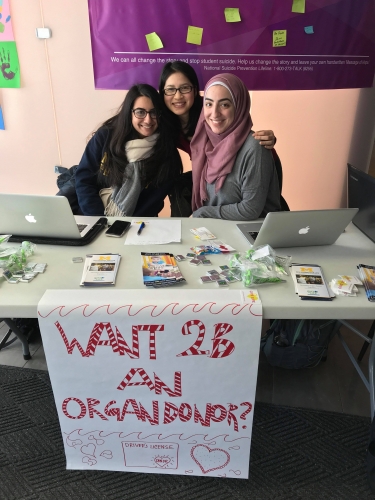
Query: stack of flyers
[[100, 269], [367, 275], [310, 283], [160, 269]]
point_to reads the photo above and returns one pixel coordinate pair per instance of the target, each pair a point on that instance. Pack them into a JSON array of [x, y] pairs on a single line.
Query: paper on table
[[156, 232]]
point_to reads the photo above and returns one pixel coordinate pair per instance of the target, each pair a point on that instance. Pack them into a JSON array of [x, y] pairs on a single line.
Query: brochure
[[367, 275], [100, 269], [160, 269], [309, 282]]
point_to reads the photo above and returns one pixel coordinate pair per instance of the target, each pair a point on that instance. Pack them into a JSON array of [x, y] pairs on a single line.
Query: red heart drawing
[[73, 443], [106, 454], [88, 449], [88, 460], [209, 459], [162, 461]]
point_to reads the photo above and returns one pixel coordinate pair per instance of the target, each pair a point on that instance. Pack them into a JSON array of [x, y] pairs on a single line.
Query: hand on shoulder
[[266, 138]]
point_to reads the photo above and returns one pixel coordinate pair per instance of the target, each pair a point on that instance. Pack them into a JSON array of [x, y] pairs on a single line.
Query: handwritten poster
[[159, 383]]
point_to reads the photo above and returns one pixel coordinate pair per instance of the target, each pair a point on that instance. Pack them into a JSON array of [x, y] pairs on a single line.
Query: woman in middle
[[179, 87], [233, 176]]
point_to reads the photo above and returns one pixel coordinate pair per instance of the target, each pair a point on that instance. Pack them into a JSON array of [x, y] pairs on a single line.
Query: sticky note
[[232, 15], [298, 6], [194, 35], [279, 38], [309, 30], [154, 42], [1, 120]]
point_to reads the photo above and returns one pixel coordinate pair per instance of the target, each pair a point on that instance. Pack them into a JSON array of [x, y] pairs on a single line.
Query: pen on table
[[141, 228]]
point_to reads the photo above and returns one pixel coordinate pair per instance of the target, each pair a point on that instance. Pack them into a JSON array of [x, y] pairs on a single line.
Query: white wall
[[318, 132]]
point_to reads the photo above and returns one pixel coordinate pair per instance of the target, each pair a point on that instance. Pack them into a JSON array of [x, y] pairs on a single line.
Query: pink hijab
[[213, 155]]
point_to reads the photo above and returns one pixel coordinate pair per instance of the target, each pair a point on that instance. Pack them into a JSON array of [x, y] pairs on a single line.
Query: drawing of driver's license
[[150, 455]]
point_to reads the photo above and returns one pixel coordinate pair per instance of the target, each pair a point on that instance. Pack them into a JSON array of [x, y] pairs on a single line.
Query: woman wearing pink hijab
[[233, 176]]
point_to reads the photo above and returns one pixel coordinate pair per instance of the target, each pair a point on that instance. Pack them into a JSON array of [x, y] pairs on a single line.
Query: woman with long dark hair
[[132, 157], [179, 87]]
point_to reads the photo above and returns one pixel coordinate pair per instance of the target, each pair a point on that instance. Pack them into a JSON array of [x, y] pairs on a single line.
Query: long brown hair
[[163, 165]]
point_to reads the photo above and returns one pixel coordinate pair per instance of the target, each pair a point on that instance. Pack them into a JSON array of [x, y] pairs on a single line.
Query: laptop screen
[[361, 194]]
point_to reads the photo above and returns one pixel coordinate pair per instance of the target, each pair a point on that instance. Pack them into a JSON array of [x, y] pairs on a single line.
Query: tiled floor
[[333, 385]]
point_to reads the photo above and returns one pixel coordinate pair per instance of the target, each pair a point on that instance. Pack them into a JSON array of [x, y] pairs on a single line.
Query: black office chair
[[370, 335], [279, 171], [13, 328]]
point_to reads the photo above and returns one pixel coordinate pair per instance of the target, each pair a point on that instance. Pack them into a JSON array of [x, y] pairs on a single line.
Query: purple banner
[[330, 45]]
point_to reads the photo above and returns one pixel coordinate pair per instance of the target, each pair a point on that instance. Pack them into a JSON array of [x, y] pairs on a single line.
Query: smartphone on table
[[118, 228]]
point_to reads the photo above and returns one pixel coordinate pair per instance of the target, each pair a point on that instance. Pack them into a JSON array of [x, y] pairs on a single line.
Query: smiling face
[[147, 126], [179, 104], [218, 109]]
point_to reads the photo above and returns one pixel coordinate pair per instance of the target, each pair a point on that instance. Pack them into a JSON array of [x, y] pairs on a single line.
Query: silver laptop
[[299, 228], [46, 216]]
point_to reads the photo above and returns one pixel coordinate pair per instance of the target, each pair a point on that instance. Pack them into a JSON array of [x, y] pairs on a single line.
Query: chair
[[279, 171], [17, 332], [180, 196], [370, 335]]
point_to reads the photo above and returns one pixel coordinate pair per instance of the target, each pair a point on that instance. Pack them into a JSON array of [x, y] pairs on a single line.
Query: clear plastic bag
[[14, 258], [260, 265]]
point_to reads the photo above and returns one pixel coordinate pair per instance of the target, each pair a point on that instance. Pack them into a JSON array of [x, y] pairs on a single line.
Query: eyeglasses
[[184, 89], [142, 113]]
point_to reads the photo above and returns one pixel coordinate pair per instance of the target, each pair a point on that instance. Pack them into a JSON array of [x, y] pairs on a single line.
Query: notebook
[[298, 228], [361, 194], [41, 216]]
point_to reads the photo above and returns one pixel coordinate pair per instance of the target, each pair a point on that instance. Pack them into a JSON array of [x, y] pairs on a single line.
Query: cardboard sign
[[162, 386]]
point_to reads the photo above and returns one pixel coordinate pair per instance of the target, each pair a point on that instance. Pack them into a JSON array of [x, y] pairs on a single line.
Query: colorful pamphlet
[[309, 282], [100, 269], [367, 275], [160, 269]]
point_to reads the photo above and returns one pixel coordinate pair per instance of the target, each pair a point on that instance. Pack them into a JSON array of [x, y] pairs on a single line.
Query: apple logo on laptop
[[304, 230], [30, 218]]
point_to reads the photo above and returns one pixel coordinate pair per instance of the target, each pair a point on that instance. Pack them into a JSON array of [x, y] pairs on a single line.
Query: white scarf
[[140, 149], [123, 199]]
